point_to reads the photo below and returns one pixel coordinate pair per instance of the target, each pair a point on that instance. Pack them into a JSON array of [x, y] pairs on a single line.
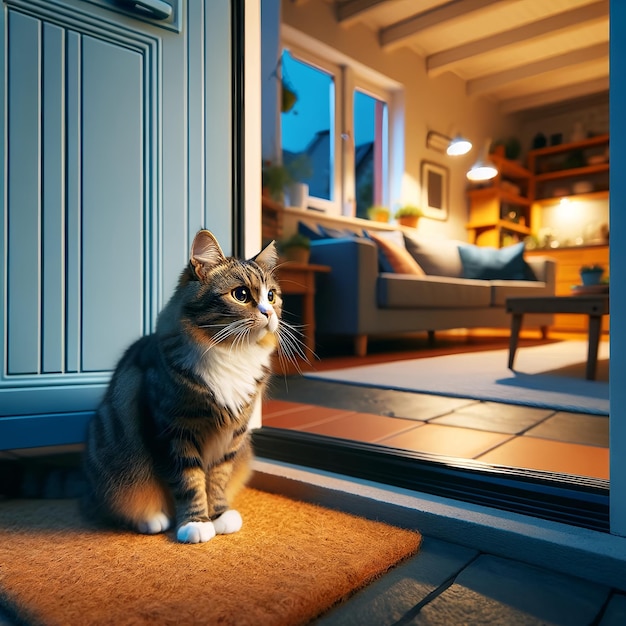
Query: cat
[[169, 442]]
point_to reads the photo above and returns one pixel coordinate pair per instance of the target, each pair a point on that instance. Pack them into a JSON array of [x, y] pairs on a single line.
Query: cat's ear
[[205, 254], [268, 257]]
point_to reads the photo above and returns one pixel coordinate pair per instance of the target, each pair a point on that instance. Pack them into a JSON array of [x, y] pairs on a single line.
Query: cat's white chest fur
[[232, 374]]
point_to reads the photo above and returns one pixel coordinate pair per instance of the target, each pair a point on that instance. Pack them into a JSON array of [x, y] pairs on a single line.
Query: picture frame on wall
[[435, 190]]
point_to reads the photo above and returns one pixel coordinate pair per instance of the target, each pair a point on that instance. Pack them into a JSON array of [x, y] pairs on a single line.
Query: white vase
[[298, 195]]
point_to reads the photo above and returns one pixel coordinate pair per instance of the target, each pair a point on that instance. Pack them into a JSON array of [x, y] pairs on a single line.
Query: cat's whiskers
[[291, 347]]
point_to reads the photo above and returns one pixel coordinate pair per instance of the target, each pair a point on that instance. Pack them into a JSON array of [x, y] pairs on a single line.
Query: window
[[370, 152], [334, 106], [308, 129]]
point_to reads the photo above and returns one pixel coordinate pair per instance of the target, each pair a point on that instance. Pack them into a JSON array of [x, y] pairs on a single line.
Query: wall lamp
[[452, 146], [484, 168]]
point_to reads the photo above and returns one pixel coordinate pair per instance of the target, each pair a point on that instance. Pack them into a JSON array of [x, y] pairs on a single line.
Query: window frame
[[359, 83], [331, 207], [347, 79]]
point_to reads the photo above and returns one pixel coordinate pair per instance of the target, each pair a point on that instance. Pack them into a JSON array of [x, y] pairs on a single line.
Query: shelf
[[570, 147], [501, 194], [581, 197], [571, 173], [502, 224], [510, 169]]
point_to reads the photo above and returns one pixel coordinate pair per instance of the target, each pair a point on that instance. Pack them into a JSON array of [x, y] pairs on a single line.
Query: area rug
[[548, 376], [290, 562]]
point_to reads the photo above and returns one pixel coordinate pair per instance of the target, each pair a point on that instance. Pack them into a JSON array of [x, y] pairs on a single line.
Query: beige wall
[[429, 104]]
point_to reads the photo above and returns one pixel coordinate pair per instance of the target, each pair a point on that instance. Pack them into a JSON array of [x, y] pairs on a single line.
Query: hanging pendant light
[[484, 169], [458, 146]]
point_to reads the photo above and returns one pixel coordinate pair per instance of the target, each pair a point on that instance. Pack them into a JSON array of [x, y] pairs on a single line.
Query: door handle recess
[[155, 9]]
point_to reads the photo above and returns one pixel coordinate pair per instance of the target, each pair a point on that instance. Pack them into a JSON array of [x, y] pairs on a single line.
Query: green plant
[[512, 147], [297, 240], [378, 213], [409, 210], [592, 268], [276, 177], [289, 97]]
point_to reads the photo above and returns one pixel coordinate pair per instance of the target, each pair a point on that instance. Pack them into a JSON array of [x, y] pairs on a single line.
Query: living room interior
[[539, 103]]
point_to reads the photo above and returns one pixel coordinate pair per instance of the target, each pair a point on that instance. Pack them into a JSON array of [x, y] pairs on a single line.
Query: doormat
[[290, 563]]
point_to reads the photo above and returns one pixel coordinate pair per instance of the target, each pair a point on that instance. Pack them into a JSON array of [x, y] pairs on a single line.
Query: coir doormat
[[290, 563]]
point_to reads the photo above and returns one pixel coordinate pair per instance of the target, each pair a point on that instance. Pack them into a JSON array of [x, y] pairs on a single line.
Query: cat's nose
[[266, 310]]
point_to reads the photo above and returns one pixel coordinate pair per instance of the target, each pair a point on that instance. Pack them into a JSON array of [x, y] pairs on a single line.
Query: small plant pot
[[380, 216], [297, 254], [409, 220], [591, 277]]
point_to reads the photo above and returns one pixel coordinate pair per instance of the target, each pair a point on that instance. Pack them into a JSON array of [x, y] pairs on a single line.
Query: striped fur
[[169, 442]]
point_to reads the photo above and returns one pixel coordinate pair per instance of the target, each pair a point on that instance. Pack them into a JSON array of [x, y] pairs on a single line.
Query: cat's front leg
[[192, 516], [224, 480]]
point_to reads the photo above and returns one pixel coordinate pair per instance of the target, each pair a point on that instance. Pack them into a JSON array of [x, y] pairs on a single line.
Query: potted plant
[[591, 274], [409, 215], [296, 248], [378, 213], [275, 177]]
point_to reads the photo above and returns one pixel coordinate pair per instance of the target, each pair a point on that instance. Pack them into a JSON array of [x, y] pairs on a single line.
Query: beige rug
[[290, 563], [549, 376]]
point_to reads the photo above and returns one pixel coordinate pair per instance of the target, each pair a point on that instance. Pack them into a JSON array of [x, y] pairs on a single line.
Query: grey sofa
[[359, 300]]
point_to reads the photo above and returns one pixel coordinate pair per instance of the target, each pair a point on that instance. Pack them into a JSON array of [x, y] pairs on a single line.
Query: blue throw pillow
[[494, 263], [338, 233]]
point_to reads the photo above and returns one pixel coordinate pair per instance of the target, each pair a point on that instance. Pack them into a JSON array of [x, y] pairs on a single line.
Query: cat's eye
[[241, 294], [271, 296]]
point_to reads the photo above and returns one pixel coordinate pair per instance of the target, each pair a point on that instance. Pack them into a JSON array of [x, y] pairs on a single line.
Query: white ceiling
[[522, 53]]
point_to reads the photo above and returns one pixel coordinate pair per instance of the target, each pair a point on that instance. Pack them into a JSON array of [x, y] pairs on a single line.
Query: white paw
[[196, 532], [159, 523], [228, 522]]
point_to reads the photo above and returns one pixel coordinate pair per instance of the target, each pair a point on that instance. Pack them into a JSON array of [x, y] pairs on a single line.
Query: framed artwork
[[434, 190]]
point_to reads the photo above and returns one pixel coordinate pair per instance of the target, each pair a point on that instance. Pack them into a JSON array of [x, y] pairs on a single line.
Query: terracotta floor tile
[[277, 407], [363, 427], [551, 456], [448, 440], [303, 415]]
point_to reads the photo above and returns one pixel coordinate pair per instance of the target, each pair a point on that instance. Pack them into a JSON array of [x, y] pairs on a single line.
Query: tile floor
[[555, 441]]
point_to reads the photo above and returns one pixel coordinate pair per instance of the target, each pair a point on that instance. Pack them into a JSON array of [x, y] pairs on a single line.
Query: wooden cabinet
[[577, 170], [569, 261], [499, 212]]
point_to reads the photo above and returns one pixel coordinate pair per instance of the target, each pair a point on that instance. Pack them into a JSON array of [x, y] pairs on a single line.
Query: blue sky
[[311, 112]]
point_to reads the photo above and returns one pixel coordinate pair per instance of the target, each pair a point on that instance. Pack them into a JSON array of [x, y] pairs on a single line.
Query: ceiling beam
[[445, 60], [493, 82], [396, 34], [352, 10], [545, 98]]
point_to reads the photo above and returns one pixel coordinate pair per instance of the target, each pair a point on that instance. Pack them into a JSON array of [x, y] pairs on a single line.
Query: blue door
[[117, 127]]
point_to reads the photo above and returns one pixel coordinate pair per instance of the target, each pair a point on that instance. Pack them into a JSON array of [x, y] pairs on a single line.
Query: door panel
[[107, 163], [114, 294]]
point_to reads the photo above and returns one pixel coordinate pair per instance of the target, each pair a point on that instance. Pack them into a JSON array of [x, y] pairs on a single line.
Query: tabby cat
[[169, 442]]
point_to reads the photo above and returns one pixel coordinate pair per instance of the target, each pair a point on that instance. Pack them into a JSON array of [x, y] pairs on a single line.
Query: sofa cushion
[[316, 232], [393, 257], [437, 257], [339, 233], [415, 292], [494, 263]]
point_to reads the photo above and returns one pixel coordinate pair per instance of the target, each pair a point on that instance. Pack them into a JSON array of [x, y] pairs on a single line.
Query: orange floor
[[560, 442]]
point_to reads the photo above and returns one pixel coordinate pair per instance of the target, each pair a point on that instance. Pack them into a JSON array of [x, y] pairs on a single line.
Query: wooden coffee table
[[593, 306]]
